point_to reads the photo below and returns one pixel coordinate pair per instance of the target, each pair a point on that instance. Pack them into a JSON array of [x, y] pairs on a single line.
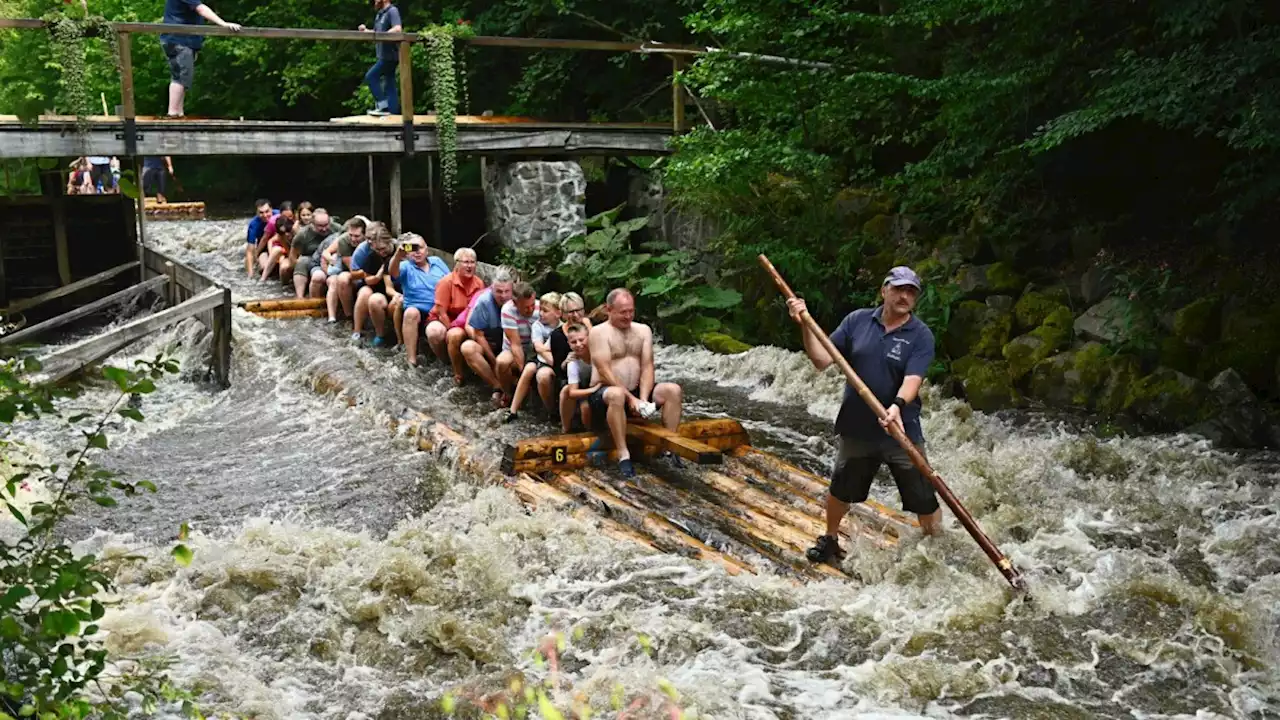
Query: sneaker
[[509, 418], [379, 341], [333, 321], [825, 549], [378, 112], [356, 338], [626, 468]]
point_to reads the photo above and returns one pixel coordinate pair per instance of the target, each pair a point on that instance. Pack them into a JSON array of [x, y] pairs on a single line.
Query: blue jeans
[[381, 80]]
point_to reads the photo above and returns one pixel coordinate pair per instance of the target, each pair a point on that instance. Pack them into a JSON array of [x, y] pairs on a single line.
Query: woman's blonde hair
[[551, 299], [570, 298]]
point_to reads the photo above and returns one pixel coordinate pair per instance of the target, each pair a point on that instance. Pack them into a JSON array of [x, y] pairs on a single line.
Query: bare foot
[[457, 381]]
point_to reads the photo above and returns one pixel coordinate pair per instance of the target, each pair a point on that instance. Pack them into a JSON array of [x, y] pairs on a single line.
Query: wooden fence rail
[[185, 283]]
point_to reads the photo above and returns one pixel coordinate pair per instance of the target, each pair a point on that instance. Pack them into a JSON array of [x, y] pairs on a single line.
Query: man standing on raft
[[891, 351]]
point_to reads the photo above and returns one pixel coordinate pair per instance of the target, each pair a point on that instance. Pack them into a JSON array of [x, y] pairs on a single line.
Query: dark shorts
[[598, 405], [857, 463], [182, 63], [304, 265], [153, 180]]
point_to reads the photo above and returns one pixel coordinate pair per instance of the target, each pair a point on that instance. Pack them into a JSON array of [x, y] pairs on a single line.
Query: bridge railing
[[124, 32]]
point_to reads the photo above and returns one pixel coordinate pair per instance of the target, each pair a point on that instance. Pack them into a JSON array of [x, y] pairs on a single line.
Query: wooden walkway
[[56, 136]]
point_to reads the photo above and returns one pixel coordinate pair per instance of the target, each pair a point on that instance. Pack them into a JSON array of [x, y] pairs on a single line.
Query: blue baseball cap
[[903, 275]]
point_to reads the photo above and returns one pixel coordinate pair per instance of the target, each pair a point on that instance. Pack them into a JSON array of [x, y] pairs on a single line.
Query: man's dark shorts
[[857, 463], [599, 407], [182, 63]]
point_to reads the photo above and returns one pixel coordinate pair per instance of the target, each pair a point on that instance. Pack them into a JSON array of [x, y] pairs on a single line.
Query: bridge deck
[[56, 136]]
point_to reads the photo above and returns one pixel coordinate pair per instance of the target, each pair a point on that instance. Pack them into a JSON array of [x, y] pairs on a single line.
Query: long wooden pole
[[917, 458]]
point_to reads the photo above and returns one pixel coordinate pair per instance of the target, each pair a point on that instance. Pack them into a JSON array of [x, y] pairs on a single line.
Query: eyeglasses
[[572, 310], [466, 262]]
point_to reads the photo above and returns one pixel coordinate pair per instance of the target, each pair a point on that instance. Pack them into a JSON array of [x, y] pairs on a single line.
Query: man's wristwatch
[[902, 404]]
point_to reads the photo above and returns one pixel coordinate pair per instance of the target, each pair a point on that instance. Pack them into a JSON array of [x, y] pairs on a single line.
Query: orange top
[[452, 295]]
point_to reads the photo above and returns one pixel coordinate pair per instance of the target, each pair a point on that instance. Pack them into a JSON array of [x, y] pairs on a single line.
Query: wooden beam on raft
[[270, 305], [672, 441], [569, 451], [129, 293], [292, 314]]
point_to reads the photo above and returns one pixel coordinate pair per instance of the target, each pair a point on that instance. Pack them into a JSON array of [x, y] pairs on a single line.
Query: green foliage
[[445, 82], [50, 606]]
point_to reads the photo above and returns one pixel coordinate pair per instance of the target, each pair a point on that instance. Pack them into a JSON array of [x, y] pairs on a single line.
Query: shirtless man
[[622, 357]]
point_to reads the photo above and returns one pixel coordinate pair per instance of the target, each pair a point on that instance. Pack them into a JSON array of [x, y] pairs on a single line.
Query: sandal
[[825, 550]]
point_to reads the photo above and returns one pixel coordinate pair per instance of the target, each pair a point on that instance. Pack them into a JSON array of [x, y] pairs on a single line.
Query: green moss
[[680, 335], [929, 269], [987, 384], [724, 344], [977, 329], [1033, 308], [1124, 371], [1003, 277], [1025, 351], [1197, 323], [1177, 354], [1092, 366], [1168, 399], [879, 227], [878, 265], [1060, 320]]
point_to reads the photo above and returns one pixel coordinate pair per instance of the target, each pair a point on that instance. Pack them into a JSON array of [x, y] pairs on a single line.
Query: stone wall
[[685, 230], [534, 204]]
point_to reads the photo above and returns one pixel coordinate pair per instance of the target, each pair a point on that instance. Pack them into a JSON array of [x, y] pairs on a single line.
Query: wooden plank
[[270, 304], [66, 361], [28, 303], [59, 208], [677, 95], [188, 278], [576, 443], [221, 326], [292, 314], [124, 42], [84, 311], [396, 210], [687, 448], [406, 104]]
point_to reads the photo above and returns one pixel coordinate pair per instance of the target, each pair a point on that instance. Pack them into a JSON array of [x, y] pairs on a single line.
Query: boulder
[[1114, 321], [986, 384], [1177, 354], [1025, 351], [1122, 371], [678, 334], [1071, 379], [979, 281], [957, 249], [723, 344], [976, 329], [1239, 419], [1032, 309], [857, 204], [1169, 400], [1198, 323], [1250, 343], [1003, 303], [1096, 283]]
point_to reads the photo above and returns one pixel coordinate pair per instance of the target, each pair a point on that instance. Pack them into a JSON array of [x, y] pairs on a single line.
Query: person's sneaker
[[379, 341], [333, 321], [510, 417], [825, 549], [356, 338], [626, 468], [378, 112]]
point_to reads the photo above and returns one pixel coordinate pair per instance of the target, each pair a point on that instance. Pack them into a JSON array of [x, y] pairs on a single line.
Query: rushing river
[[340, 573]]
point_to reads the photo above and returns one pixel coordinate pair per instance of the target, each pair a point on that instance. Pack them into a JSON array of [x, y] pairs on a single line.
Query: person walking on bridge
[[381, 77], [181, 50], [891, 350]]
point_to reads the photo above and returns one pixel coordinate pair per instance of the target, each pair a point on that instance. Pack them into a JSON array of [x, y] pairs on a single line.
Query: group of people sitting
[[503, 334], [94, 175]]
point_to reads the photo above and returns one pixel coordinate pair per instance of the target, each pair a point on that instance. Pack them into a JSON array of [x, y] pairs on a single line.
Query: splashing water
[[341, 574]]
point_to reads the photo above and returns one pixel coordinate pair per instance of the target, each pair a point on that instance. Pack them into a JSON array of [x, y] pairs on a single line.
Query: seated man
[[484, 332], [622, 355], [307, 273], [419, 275], [335, 258], [518, 315], [539, 367], [369, 275], [257, 228], [579, 376], [454, 293]]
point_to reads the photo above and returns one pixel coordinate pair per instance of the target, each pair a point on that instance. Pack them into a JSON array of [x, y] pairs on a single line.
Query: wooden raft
[[156, 210]]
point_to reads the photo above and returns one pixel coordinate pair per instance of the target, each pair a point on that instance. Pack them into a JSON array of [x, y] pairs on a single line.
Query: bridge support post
[[396, 209], [222, 340]]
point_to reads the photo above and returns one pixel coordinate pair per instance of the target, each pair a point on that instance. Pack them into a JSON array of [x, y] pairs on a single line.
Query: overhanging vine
[[447, 87], [67, 37]]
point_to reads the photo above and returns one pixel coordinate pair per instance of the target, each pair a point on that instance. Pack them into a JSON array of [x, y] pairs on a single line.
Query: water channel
[[340, 573]]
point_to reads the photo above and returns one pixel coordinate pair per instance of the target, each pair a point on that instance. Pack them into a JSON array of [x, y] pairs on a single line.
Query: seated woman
[[277, 253], [541, 367], [284, 211]]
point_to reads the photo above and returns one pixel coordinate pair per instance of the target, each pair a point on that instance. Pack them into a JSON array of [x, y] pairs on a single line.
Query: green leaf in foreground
[[182, 554]]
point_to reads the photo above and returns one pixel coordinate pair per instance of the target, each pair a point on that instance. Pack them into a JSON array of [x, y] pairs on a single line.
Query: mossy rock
[[1071, 379], [1177, 354], [929, 269], [1123, 371], [1092, 366], [1025, 351], [1169, 400], [976, 329], [879, 227], [680, 335], [724, 344], [987, 384], [979, 281], [857, 203], [879, 264], [1032, 309], [1198, 323], [1251, 344]]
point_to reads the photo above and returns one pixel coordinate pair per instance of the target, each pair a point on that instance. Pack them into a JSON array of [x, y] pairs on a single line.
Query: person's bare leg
[[250, 252], [836, 510], [346, 294], [409, 331], [616, 417], [479, 364], [522, 387], [931, 524], [566, 409], [317, 283], [546, 378], [437, 335], [331, 298], [670, 398], [378, 309], [362, 308], [397, 322], [269, 262], [504, 368], [299, 285], [177, 95], [286, 268], [453, 339]]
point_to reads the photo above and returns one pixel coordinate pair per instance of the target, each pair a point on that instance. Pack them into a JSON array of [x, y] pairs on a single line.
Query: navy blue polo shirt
[[183, 12], [387, 18], [882, 360]]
